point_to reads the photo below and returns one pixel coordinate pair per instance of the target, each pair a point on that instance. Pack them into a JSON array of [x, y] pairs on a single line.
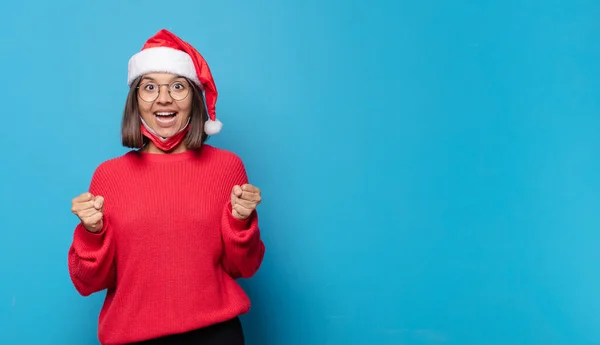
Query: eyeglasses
[[149, 91]]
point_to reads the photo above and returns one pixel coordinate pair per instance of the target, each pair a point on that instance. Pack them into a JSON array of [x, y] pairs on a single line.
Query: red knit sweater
[[170, 248]]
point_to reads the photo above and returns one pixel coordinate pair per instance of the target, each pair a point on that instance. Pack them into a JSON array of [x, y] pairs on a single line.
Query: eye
[[149, 87], [178, 86]]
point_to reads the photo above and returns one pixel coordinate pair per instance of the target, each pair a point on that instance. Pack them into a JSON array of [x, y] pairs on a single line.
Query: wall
[[429, 168]]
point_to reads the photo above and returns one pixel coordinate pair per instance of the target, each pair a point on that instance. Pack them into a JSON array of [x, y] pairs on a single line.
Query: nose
[[163, 95]]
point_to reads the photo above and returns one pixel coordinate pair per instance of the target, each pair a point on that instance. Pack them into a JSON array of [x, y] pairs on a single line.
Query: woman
[[167, 227]]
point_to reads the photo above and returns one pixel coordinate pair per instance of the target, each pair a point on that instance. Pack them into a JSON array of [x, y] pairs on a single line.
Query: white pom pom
[[212, 127]]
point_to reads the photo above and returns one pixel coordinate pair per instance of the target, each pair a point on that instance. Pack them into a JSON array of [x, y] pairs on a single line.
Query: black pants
[[224, 333]]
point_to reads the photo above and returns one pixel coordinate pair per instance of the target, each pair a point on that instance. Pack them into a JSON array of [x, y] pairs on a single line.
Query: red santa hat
[[165, 52]]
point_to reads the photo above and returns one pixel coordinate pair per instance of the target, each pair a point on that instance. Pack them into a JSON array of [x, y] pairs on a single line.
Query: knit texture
[[170, 248]]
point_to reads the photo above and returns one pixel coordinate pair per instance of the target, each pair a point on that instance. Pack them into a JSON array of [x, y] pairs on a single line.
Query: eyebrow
[[152, 79]]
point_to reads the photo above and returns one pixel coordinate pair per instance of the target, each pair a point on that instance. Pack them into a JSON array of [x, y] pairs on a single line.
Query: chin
[[167, 132]]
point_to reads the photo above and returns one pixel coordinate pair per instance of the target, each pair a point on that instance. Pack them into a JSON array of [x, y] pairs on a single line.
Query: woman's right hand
[[89, 209]]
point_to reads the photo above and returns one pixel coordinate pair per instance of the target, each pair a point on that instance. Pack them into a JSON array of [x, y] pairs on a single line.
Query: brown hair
[[131, 135]]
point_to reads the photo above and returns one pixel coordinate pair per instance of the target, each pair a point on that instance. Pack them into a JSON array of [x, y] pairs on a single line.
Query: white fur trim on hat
[[212, 127], [161, 59]]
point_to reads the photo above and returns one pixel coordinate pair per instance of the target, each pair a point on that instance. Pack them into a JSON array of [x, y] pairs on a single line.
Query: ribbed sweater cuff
[[238, 224], [88, 238]]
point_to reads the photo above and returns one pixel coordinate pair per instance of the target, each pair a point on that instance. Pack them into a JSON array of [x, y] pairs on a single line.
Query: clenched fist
[[89, 209], [244, 200]]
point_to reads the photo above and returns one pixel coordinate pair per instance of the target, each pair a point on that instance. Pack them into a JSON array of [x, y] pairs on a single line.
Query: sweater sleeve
[[243, 247], [91, 255]]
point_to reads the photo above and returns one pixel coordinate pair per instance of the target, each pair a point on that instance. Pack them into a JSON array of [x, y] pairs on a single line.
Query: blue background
[[429, 168]]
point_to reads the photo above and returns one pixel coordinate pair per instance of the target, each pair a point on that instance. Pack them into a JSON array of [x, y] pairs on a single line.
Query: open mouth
[[165, 117]]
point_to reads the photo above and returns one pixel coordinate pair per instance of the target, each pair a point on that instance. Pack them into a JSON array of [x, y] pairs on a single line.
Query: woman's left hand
[[244, 200]]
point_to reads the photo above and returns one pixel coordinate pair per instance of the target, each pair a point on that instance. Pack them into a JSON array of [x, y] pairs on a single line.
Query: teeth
[[165, 114]]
